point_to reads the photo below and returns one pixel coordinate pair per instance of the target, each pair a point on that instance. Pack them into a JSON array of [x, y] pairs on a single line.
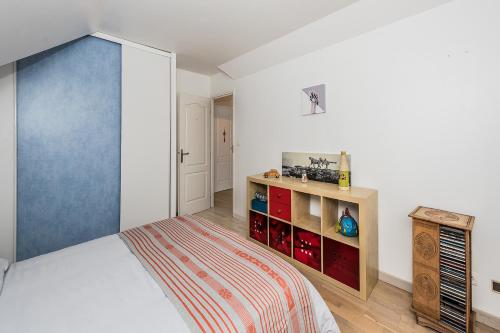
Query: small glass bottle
[[344, 182], [304, 177]]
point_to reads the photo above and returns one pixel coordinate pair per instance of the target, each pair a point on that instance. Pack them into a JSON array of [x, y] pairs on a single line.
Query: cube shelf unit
[[307, 239]]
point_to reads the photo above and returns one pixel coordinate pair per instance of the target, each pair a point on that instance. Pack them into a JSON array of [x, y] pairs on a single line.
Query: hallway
[[224, 200]]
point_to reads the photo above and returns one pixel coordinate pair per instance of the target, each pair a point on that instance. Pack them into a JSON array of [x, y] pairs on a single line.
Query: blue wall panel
[[68, 132]]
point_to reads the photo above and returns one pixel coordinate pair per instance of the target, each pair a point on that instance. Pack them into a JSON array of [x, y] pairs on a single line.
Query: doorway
[[223, 152]]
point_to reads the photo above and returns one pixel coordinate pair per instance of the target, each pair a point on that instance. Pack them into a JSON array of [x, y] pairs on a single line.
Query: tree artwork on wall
[[313, 100]]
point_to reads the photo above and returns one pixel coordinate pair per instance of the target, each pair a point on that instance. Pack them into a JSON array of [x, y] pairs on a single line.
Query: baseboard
[[395, 281], [481, 316], [239, 217], [488, 319]]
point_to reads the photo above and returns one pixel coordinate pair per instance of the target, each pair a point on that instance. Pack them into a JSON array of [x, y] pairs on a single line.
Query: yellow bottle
[[344, 172]]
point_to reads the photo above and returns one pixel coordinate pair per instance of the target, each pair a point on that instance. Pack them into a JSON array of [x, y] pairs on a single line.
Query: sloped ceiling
[[204, 34], [30, 26], [359, 18]]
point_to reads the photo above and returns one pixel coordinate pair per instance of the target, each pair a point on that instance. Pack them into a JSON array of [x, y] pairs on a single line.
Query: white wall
[[193, 83], [416, 104], [202, 85], [221, 84], [7, 163]]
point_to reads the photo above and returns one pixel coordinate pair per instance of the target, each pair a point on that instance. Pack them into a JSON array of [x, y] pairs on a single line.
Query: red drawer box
[[258, 227], [280, 210], [307, 248], [280, 236], [341, 262], [281, 195]]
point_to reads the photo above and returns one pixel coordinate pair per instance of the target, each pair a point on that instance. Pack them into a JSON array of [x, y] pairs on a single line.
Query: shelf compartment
[[341, 262], [280, 236], [307, 248], [331, 211], [259, 206], [252, 189], [258, 227], [310, 223], [302, 213]]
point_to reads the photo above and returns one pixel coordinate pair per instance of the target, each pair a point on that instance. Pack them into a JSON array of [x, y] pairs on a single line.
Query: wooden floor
[[387, 309]]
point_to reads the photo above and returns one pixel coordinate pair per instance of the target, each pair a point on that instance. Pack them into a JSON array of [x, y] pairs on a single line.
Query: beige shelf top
[[443, 217], [355, 194]]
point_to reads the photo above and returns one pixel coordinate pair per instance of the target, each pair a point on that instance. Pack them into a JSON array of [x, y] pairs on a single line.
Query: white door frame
[[212, 144]]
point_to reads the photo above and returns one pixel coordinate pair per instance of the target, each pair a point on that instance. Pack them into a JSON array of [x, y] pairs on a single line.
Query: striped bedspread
[[219, 281]]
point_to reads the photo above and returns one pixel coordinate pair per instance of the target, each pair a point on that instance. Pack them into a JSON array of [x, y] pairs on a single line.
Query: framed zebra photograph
[[320, 167]]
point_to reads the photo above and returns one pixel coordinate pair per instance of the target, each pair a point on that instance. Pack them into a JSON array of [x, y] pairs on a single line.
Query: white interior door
[[223, 147], [194, 154]]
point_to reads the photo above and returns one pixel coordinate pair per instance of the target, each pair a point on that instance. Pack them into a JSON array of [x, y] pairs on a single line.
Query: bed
[[179, 275]]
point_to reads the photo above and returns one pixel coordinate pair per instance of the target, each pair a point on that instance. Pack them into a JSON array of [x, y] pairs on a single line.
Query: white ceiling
[[31, 26], [204, 34], [358, 18]]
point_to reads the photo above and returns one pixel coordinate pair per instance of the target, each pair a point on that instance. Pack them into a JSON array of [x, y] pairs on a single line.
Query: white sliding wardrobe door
[[145, 160], [7, 161]]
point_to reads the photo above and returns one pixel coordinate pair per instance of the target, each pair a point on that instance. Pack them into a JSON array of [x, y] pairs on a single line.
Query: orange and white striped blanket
[[221, 282]]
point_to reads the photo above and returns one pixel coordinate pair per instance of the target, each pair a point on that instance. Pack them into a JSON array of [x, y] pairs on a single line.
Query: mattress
[[98, 286]]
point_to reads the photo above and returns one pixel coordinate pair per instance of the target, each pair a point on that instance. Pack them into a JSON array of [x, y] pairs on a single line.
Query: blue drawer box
[[260, 206]]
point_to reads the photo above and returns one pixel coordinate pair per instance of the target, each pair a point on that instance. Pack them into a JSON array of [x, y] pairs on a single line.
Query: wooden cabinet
[[305, 235], [442, 296]]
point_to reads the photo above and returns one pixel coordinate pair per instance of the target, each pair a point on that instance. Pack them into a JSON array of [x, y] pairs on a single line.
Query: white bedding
[[98, 286]]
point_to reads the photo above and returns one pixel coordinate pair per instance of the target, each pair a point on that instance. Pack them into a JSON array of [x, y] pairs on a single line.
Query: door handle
[[182, 155]]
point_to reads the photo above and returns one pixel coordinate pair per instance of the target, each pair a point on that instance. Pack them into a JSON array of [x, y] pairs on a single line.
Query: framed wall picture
[[317, 166], [313, 100]]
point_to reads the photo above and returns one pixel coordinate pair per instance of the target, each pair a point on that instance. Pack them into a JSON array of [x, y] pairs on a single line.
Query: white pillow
[[4, 265]]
